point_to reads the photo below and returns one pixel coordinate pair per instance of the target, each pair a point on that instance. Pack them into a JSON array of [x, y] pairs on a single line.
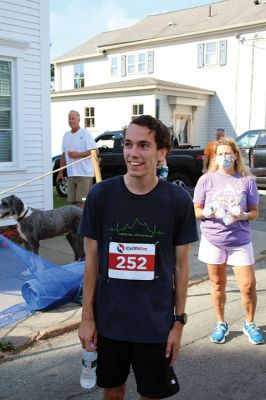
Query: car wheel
[[61, 187], [180, 179], [184, 181]]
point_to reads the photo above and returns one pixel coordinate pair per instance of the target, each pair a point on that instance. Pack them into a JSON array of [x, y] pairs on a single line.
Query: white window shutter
[[223, 52], [200, 55], [150, 62], [123, 65]]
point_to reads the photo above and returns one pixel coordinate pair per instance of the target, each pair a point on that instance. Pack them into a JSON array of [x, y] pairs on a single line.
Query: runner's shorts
[[153, 375]]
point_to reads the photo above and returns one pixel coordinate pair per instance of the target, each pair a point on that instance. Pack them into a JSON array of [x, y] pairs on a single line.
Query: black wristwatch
[[181, 318]]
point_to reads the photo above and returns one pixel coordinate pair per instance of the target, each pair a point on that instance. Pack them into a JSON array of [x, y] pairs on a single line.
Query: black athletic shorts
[[153, 375]]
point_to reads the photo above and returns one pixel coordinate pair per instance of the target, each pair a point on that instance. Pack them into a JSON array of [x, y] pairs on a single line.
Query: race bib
[[134, 261]]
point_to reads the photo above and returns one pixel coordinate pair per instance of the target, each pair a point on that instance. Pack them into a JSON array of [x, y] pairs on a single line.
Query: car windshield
[[248, 139], [106, 143]]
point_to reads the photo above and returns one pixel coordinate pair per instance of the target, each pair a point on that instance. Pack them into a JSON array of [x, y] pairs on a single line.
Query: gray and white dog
[[34, 225]]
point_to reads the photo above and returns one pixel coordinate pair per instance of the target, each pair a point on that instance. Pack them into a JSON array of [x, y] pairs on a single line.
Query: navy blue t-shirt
[[137, 310]]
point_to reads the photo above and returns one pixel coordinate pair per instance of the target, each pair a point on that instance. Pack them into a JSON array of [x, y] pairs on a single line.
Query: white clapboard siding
[[27, 22]]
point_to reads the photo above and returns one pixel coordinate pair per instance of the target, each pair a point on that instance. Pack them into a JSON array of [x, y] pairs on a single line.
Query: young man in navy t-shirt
[[137, 231]]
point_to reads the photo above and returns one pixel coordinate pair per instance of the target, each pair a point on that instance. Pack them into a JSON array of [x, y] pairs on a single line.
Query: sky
[[73, 22]]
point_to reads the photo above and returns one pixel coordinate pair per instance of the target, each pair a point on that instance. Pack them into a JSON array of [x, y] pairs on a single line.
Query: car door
[[111, 155]]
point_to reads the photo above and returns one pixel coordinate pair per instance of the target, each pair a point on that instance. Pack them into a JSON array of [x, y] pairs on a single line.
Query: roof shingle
[[216, 16]]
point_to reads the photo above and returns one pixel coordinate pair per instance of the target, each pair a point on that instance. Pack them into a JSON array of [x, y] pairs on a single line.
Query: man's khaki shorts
[[78, 187]]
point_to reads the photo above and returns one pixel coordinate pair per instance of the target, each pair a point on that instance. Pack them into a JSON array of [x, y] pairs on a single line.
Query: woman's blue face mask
[[225, 162]]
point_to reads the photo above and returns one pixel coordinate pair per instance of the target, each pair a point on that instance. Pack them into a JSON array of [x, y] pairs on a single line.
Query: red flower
[[11, 233]]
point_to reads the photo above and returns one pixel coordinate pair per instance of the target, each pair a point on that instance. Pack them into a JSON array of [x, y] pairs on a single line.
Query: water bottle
[[235, 210], [228, 219], [88, 369], [208, 211], [220, 213]]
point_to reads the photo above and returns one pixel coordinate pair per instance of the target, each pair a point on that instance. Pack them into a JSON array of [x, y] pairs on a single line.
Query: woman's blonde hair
[[240, 166]]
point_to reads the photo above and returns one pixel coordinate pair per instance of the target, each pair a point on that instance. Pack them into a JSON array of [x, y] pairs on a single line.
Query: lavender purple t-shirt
[[227, 191]]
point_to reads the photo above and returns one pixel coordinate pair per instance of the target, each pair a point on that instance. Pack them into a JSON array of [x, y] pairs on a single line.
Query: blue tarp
[[42, 284]]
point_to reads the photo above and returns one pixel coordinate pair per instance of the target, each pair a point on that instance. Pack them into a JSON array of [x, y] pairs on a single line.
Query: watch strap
[[180, 318]]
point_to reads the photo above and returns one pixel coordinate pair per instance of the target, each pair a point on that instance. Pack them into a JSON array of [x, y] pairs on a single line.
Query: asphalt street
[[235, 370]]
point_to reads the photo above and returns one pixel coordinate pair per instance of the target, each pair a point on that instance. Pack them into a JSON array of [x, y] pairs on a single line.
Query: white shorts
[[238, 256]]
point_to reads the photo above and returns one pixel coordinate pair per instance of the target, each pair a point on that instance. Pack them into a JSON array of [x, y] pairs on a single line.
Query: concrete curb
[[23, 342], [58, 330], [261, 258]]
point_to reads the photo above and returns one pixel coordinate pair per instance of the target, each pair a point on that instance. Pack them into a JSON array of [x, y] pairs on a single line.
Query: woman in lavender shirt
[[226, 199]]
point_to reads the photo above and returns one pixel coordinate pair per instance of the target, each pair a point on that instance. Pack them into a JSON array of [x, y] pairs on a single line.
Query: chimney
[[210, 11]]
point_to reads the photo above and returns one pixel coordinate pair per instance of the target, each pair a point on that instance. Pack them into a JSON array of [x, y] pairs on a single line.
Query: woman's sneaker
[[220, 331], [253, 333]]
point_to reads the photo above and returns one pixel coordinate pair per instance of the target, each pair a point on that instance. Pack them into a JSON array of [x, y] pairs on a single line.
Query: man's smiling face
[[140, 151]]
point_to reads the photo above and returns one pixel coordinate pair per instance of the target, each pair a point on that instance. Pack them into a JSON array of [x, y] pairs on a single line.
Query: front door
[[183, 128]]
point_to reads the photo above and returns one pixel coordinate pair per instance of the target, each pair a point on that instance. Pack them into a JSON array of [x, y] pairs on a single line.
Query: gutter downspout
[[252, 80], [236, 84]]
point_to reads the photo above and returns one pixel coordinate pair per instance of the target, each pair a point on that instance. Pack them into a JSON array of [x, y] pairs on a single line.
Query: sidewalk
[[43, 325]]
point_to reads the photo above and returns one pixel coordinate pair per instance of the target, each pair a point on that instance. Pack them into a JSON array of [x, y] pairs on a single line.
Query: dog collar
[[23, 214]]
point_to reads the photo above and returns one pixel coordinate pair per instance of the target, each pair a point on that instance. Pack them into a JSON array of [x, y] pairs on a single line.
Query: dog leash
[[96, 168]]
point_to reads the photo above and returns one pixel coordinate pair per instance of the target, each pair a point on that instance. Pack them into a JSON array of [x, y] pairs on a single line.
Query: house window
[[114, 66], [137, 110], [89, 121], [142, 63], [135, 63], [131, 64], [78, 76], [212, 53], [5, 111]]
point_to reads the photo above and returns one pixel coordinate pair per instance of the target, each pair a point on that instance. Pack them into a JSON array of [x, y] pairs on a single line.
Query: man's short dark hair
[[161, 132]]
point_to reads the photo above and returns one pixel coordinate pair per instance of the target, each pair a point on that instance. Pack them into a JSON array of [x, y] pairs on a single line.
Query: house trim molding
[[232, 29]]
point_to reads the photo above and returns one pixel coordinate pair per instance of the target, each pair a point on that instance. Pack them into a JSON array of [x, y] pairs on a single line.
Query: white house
[[25, 126], [196, 69]]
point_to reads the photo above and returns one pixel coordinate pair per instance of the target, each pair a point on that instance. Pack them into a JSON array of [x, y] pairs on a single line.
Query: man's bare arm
[[205, 162], [60, 174], [79, 154], [88, 330], [181, 276]]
